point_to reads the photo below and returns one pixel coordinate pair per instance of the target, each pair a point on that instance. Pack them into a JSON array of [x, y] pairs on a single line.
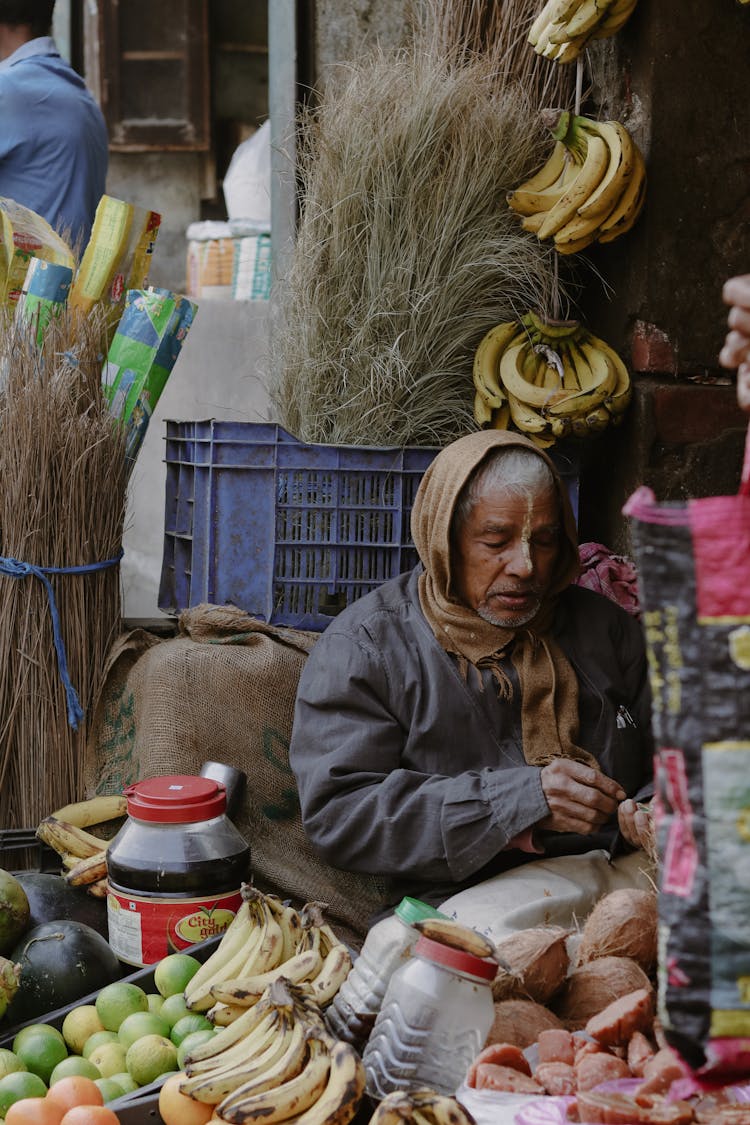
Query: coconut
[[14, 911], [590, 988], [520, 1021], [622, 924], [533, 964]]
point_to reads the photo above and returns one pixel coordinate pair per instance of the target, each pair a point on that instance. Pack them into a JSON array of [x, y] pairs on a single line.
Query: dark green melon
[[51, 898], [61, 962]]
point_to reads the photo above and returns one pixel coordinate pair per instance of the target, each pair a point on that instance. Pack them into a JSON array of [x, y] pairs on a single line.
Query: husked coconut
[[520, 1022], [590, 988], [533, 964], [622, 924]]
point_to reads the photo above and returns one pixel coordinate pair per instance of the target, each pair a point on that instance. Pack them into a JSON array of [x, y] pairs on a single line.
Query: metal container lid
[[176, 799]]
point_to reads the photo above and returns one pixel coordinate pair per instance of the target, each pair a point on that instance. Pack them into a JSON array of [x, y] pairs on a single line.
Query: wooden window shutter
[[147, 62]]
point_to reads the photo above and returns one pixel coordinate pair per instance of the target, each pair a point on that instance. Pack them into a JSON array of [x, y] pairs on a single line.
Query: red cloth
[[609, 574]]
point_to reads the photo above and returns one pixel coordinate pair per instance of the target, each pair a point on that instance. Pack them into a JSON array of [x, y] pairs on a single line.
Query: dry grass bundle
[[497, 29], [406, 251], [62, 503]]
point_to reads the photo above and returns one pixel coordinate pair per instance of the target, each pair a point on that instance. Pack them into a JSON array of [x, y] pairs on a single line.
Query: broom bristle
[[406, 252], [62, 503]]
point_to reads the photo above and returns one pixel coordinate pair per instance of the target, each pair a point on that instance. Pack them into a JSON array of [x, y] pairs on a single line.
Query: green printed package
[[143, 352], [44, 294]]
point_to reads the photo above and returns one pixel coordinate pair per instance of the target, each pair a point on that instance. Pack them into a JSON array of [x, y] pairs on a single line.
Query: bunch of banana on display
[[265, 941], [277, 1062], [591, 189], [83, 854], [548, 379], [563, 28], [423, 1106]]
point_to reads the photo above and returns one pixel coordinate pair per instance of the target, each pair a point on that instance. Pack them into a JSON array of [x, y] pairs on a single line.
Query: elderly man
[[481, 711]]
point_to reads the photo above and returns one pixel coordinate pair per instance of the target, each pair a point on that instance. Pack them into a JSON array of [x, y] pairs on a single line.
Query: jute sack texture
[[224, 690]]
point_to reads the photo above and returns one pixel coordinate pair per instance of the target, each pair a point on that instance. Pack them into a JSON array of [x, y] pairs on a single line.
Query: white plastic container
[[387, 946], [434, 1020]]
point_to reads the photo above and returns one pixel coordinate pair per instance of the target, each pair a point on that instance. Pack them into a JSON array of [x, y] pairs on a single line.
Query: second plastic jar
[[387, 946], [434, 1020]]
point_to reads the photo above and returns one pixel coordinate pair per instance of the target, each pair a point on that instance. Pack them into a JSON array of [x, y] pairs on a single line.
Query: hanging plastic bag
[[693, 562], [247, 182]]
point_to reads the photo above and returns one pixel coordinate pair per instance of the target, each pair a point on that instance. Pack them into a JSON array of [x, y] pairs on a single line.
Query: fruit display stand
[[146, 1097]]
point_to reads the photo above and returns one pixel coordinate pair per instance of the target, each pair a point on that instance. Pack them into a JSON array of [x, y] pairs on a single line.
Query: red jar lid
[[455, 959], [176, 799]]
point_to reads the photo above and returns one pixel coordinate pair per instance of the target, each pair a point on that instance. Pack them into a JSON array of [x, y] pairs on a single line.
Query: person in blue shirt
[[53, 138]]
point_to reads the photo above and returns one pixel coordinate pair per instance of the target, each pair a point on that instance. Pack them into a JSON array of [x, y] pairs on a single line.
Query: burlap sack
[[223, 690]]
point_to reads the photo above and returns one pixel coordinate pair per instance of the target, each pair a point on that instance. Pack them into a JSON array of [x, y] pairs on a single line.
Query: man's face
[[505, 554]]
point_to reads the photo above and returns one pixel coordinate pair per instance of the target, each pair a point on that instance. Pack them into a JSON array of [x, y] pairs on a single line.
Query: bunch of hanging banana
[[83, 854], [563, 28], [423, 1106], [549, 379], [267, 940], [591, 188], [276, 1062]]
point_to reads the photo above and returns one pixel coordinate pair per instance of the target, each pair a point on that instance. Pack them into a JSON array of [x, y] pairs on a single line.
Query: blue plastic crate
[[290, 533]]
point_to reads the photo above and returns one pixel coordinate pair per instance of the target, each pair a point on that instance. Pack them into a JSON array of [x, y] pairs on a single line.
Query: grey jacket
[[407, 771]]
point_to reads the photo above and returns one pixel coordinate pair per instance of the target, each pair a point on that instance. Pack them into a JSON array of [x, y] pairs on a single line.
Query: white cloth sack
[[547, 892], [247, 182]]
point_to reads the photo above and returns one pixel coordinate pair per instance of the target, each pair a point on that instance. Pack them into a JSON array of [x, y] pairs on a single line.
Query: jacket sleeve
[[373, 802]]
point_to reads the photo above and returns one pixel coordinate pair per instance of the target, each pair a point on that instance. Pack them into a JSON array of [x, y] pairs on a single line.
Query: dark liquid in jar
[[183, 872]]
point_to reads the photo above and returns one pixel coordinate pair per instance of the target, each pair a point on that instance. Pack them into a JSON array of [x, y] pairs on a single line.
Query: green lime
[[155, 1001], [118, 1000], [188, 1024], [42, 1053], [124, 1081], [174, 971], [97, 1039], [174, 1008], [194, 1039], [9, 1062], [36, 1029], [109, 1089], [150, 1057], [140, 1024], [108, 1059], [73, 1065], [20, 1084], [78, 1025]]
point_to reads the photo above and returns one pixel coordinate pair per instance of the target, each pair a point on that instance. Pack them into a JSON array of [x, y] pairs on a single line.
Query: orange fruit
[[34, 1111], [90, 1115], [76, 1089], [176, 1108]]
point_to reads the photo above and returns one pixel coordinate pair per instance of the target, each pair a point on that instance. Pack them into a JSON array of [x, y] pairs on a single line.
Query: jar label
[[143, 930]]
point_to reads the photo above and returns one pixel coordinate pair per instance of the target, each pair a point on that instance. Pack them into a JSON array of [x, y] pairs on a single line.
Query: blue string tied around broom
[[14, 568]]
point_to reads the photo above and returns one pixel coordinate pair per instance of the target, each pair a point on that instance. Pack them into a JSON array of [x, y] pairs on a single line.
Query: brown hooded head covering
[[549, 688]]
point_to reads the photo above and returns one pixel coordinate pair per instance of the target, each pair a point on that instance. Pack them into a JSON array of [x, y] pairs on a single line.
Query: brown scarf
[[549, 688]]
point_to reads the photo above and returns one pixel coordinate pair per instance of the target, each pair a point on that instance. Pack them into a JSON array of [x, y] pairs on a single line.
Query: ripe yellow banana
[[620, 168], [290, 922], [526, 419], [614, 19], [286, 1100], [267, 1028], [500, 418], [486, 359], [344, 1090], [260, 1075], [228, 1036], [586, 181], [246, 990], [240, 938], [271, 944], [333, 972], [547, 330], [87, 871], [528, 201], [549, 172], [449, 932], [266, 1059], [619, 397], [625, 213], [95, 810], [586, 17], [578, 233], [63, 838], [99, 889], [482, 412], [596, 378], [554, 11], [516, 386]]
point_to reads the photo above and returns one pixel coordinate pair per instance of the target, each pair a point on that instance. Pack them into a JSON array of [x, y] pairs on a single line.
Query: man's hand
[[581, 799], [637, 825]]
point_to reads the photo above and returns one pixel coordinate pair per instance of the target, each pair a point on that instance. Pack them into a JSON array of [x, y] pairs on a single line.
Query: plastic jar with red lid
[[436, 1014], [174, 869]]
